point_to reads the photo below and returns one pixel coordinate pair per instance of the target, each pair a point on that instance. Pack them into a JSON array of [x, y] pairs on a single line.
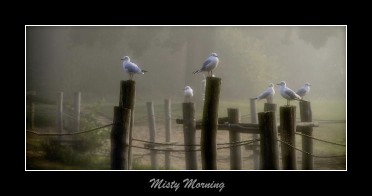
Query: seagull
[[131, 68], [287, 93], [188, 93], [268, 94], [304, 90], [209, 64]]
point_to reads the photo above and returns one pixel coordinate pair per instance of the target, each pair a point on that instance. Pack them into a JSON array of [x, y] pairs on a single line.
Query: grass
[[42, 153], [38, 158]]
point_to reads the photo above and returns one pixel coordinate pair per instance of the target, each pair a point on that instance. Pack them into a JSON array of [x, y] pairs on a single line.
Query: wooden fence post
[[256, 152], [269, 107], [60, 112], [235, 151], [204, 82], [189, 129], [168, 117], [288, 126], [307, 143], [77, 110], [32, 114], [151, 118], [127, 100], [210, 123], [30, 96], [120, 139], [269, 147]]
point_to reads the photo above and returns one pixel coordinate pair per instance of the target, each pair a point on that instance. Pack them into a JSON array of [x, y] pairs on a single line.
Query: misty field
[[99, 159], [94, 60]]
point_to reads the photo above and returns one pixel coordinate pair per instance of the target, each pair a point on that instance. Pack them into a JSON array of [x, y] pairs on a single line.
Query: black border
[[244, 182]]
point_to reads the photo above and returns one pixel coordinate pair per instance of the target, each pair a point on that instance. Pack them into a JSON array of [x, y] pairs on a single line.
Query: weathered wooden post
[[77, 111], [204, 82], [31, 96], [151, 118], [32, 114], [210, 123], [270, 107], [307, 143], [256, 152], [60, 112], [168, 117], [287, 134], [269, 146], [235, 151], [127, 100], [120, 139], [189, 129]]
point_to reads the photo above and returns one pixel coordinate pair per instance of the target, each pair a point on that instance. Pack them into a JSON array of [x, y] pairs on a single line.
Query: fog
[[87, 59]]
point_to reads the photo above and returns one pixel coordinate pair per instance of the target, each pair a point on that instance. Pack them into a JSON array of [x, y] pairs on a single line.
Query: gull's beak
[[122, 59], [277, 84]]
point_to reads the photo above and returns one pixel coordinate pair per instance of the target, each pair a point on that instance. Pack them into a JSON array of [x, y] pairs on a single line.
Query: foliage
[[80, 149], [54, 151], [246, 57], [92, 141]]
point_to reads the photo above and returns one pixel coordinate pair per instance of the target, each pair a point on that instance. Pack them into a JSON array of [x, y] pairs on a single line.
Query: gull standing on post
[[188, 93], [268, 94], [209, 64], [131, 68], [304, 90], [287, 93]]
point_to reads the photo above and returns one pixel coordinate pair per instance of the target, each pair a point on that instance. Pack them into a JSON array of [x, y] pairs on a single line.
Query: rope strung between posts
[[193, 150], [220, 144], [76, 133], [309, 152], [167, 150], [334, 143], [165, 144], [240, 144]]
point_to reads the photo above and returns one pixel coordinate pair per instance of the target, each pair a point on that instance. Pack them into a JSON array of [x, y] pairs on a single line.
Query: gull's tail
[[254, 98], [143, 71], [197, 71]]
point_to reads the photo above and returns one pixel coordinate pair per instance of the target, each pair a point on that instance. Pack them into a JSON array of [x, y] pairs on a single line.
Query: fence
[[67, 117], [265, 157]]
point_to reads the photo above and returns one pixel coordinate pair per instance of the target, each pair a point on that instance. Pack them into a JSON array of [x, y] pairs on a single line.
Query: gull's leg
[[287, 102]]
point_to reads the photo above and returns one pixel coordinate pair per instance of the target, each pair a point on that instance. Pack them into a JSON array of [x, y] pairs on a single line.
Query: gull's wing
[[291, 94], [301, 91], [206, 64], [264, 95], [132, 67]]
